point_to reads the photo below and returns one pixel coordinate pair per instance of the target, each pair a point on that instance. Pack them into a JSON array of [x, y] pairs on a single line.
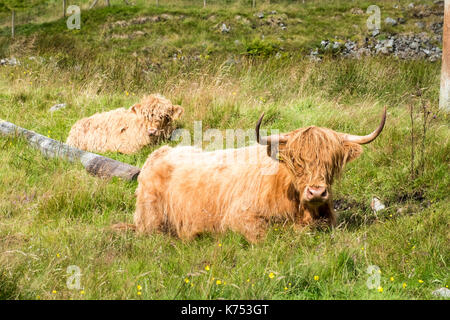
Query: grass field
[[54, 215]]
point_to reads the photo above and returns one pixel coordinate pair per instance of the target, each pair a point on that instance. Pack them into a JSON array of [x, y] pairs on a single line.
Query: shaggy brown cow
[[187, 191], [126, 131]]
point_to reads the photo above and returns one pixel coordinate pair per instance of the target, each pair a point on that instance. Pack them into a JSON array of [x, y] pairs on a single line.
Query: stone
[[57, 107], [377, 205], [420, 24], [442, 292], [260, 15], [224, 28], [357, 11], [390, 21]]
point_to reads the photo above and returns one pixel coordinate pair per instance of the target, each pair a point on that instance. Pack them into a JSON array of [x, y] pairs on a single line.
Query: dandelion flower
[[248, 280], [285, 288], [218, 282], [219, 244], [207, 268], [404, 285], [420, 281], [54, 291], [139, 293], [316, 278], [380, 289], [82, 292], [139, 288], [186, 280], [58, 255], [271, 275], [392, 279]]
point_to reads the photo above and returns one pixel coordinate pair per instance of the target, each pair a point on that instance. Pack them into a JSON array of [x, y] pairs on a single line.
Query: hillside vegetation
[[54, 215]]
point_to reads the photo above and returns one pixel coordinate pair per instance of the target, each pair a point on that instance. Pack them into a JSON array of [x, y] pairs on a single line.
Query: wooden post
[[204, 3], [64, 8], [13, 23], [444, 97], [95, 164], [93, 4]]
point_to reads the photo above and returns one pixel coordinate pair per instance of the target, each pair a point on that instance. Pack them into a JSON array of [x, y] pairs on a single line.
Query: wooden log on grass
[[95, 164]]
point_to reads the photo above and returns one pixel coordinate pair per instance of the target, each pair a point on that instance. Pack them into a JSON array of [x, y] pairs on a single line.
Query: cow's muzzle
[[316, 195]]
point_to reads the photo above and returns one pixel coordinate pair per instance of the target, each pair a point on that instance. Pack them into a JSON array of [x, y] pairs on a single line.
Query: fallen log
[[95, 164]]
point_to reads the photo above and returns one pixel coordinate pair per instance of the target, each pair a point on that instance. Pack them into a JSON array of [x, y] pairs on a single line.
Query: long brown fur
[[187, 191], [126, 130]]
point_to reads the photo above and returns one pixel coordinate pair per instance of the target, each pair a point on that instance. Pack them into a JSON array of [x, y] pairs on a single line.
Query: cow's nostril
[[324, 194]]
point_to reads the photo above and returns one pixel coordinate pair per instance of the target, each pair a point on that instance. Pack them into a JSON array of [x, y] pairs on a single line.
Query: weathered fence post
[[13, 22], [95, 164], [444, 98]]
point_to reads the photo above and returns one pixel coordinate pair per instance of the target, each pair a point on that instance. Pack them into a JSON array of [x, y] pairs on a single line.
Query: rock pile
[[407, 46], [9, 62]]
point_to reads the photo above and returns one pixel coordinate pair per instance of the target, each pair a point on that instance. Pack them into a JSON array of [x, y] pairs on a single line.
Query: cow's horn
[[277, 139], [370, 137]]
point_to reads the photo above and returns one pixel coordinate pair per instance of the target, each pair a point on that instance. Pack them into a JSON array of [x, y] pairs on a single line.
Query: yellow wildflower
[[218, 282], [271, 275], [316, 278], [207, 268], [380, 289]]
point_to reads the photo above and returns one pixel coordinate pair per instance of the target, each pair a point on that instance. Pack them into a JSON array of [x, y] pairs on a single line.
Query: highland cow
[[126, 131], [186, 191]]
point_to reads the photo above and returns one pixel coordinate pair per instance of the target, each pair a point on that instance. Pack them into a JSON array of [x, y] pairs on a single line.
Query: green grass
[[53, 214]]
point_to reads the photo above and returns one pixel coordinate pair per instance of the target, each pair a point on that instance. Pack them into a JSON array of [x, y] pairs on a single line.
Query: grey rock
[[390, 21], [260, 15], [414, 45], [411, 5], [224, 28], [57, 107], [442, 292], [375, 32], [420, 25], [377, 205]]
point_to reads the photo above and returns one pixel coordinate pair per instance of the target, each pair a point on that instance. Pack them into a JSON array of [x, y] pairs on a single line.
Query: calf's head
[[159, 114], [314, 157]]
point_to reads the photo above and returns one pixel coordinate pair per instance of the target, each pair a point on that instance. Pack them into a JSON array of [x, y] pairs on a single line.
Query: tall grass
[[54, 215]]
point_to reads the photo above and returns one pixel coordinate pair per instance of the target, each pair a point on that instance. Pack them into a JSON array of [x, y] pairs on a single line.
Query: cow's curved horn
[[370, 137], [277, 139]]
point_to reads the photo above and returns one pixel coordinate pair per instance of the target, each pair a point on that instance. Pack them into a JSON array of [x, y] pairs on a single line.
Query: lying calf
[[126, 131]]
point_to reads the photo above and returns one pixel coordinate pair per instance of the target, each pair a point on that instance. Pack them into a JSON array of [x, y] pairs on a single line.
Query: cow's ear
[[177, 112], [135, 107], [352, 151], [276, 151]]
